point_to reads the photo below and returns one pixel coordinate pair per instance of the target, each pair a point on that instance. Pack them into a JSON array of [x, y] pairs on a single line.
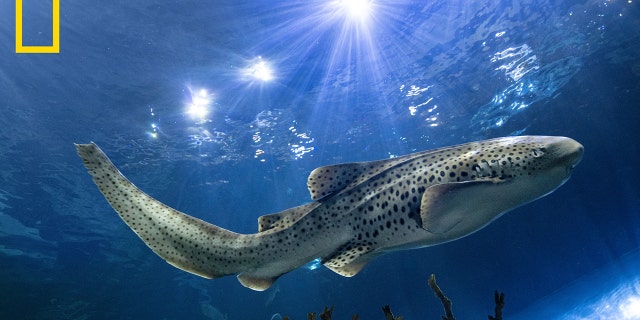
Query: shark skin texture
[[358, 210]]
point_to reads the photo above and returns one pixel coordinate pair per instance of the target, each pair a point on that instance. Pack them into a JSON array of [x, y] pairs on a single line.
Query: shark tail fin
[[183, 241]]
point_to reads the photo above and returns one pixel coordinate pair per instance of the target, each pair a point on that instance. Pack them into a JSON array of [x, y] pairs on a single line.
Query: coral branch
[[388, 315], [326, 314], [446, 302], [499, 298]]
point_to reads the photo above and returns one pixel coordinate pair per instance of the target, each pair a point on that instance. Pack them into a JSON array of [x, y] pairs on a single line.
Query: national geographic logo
[[55, 43]]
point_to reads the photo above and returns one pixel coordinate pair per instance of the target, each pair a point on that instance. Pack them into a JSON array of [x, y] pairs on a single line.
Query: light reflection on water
[[517, 61], [622, 303], [533, 86]]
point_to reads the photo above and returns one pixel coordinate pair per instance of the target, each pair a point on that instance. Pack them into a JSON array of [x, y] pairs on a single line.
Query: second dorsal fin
[[285, 218]]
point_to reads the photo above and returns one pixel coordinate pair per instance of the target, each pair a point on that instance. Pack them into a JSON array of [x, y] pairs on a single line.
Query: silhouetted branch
[[499, 298], [388, 315], [446, 302], [326, 314]]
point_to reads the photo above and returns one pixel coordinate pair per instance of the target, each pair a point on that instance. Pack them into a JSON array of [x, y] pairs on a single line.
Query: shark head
[[488, 178], [546, 161]]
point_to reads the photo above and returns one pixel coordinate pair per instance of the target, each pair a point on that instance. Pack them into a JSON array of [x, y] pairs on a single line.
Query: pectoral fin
[[446, 205], [348, 270]]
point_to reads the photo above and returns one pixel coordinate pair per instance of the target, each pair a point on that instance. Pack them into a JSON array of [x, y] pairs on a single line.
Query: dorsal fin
[[329, 180], [285, 218]]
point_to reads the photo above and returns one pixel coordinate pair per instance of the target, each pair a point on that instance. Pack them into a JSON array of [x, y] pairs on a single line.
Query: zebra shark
[[358, 210]]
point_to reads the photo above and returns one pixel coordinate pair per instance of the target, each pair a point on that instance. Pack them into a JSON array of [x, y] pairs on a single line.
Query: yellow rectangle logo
[[54, 47]]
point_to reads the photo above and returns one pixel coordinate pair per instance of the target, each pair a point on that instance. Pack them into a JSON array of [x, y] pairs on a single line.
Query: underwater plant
[[446, 302], [327, 313]]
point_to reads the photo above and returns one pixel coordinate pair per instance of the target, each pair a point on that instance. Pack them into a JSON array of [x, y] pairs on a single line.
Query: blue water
[[283, 87]]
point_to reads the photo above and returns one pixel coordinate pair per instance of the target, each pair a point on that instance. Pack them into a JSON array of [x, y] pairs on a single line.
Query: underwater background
[[222, 108]]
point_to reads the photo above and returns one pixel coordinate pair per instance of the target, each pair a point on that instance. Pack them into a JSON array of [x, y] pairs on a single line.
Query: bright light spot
[[260, 70], [256, 137], [631, 309], [198, 111], [314, 264], [621, 303], [416, 91], [263, 72], [154, 131], [414, 109], [357, 9], [154, 127], [200, 103]]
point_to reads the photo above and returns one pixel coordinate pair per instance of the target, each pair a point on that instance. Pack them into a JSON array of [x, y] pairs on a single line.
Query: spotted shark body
[[359, 210]]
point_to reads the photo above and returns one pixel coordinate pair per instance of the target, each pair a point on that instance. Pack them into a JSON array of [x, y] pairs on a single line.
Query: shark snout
[[569, 151]]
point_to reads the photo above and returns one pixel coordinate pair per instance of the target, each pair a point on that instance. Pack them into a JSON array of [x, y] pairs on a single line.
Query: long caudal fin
[[183, 241]]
